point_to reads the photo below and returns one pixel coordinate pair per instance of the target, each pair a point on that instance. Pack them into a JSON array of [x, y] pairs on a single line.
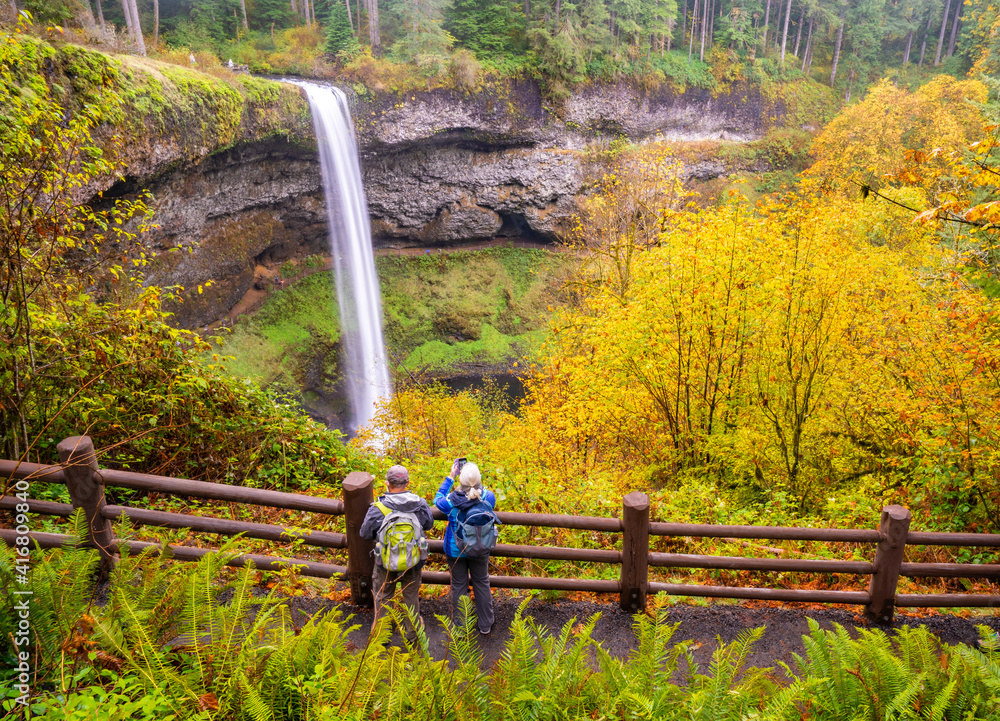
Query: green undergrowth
[[201, 641], [488, 308], [279, 342], [442, 312]]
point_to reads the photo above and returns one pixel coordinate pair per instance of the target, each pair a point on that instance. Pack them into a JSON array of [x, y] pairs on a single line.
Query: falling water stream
[[366, 369]]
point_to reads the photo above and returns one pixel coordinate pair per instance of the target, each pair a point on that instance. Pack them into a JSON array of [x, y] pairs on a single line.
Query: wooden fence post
[[895, 524], [86, 490], [358, 496], [635, 552]]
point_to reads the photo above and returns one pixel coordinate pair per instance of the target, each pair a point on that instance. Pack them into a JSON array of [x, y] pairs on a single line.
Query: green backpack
[[400, 542]]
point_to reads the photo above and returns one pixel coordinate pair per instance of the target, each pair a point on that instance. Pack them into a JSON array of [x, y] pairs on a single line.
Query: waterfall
[[366, 369]]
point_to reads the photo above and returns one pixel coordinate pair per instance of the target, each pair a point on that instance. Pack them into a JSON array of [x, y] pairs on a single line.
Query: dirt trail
[[784, 625]]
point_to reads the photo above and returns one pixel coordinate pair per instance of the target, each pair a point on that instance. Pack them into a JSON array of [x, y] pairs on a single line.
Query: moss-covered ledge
[[170, 116]]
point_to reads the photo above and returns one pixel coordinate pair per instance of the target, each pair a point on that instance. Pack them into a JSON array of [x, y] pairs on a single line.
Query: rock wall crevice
[[439, 167]]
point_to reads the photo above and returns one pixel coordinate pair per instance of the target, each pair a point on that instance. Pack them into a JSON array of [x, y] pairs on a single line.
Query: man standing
[[396, 521]]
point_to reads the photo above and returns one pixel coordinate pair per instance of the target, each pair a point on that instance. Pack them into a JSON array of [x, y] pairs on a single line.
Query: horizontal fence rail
[[738, 563], [776, 533], [180, 487], [85, 481], [203, 524], [188, 553]]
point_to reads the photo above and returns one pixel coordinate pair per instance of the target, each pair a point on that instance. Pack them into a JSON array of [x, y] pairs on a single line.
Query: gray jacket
[[407, 502]]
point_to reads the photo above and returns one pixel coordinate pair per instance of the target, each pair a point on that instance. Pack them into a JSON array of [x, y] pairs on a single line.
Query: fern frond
[[252, 701], [411, 627]]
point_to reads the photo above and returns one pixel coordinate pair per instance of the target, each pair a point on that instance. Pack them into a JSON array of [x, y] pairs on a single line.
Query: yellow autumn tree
[[870, 140], [746, 351], [635, 202]]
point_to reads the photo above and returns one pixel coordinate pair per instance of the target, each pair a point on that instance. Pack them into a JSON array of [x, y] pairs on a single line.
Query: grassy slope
[[444, 312], [292, 326], [448, 310]]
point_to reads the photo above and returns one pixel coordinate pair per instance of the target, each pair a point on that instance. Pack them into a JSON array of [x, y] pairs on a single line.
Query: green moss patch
[[447, 310], [282, 341], [443, 312]]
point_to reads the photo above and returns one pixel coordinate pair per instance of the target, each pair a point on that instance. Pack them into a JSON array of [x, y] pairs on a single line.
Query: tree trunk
[[373, 27], [944, 26], [909, 43], [784, 32], [798, 34], [350, 20], [954, 29], [527, 10], [704, 24], [711, 26], [807, 55], [132, 22], [243, 8], [138, 28], [156, 22], [295, 9], [780, 7], [100, 12], [87, 20], [684, 22], [558, 11], [128, 18], [923, 46], [836, 47], [694, 23], [767, 15]]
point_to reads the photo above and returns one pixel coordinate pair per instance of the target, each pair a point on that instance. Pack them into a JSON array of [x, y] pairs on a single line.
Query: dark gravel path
[[784, 625]]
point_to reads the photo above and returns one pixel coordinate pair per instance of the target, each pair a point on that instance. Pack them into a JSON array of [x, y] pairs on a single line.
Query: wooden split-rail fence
[[79, 471]]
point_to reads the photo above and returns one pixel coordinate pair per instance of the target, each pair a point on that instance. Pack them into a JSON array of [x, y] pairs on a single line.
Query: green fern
[[515, 677], [61, 583], [716, 698], [470, 689]]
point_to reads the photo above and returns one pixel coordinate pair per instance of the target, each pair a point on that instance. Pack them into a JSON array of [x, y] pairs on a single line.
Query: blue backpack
[[477, 530]]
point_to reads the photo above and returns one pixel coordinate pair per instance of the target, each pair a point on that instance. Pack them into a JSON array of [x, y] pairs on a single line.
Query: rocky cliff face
[[439, 167], [442, 166], [254, 205]]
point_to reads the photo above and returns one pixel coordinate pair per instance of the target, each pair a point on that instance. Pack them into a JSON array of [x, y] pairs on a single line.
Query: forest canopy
[[846, 44]]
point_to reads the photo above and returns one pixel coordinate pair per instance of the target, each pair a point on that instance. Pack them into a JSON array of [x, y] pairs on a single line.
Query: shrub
[[465, 71]]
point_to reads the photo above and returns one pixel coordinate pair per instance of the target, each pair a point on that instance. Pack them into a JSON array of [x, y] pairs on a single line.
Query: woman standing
[[463, 567]]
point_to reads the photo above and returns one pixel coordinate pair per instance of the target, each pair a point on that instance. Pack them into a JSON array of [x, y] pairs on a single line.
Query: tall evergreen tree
[[339, 33], [486, 27], [421, 29], [595, 30]]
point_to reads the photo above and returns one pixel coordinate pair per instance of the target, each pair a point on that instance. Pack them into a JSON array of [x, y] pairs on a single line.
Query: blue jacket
[[452, 503]]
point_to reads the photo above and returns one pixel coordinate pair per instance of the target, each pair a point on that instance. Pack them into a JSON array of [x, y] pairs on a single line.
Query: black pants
[[477, 571]]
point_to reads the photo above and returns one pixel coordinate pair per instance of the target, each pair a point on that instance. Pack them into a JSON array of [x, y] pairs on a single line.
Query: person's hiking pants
[[476, 570], [384, 586]]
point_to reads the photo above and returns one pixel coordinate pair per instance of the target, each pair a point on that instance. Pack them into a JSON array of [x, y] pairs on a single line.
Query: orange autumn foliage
[[869, 140]]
